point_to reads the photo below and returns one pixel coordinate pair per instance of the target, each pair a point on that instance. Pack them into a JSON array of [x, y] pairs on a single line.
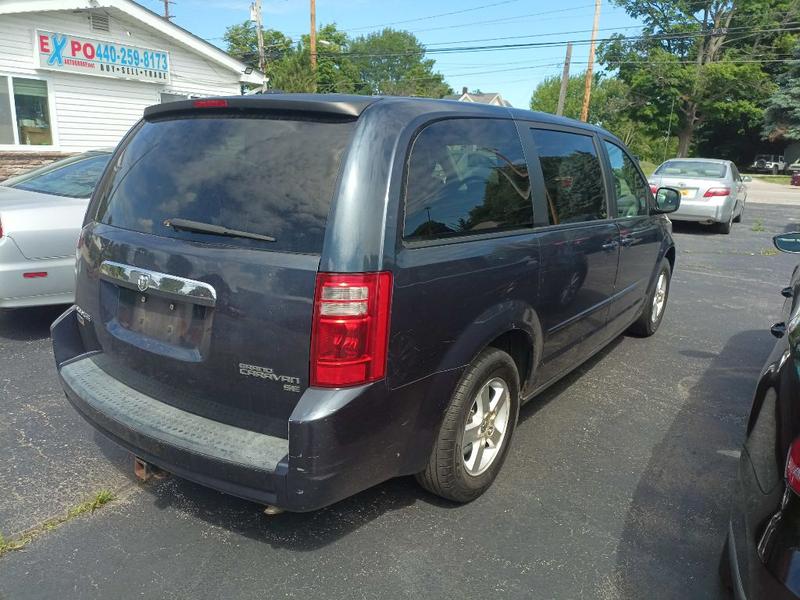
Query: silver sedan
[[41, 214], [712, 190]]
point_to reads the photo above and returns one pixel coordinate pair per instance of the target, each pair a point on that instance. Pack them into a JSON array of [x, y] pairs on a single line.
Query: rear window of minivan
[[263, 174]]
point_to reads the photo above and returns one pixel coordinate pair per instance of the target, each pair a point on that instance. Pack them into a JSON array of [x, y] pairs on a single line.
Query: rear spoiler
[[323, 104]]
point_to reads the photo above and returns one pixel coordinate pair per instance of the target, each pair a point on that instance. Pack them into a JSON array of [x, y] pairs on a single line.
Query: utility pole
[[167, 16], [562, 94], [587, 89], [313, 37], [255, 15]]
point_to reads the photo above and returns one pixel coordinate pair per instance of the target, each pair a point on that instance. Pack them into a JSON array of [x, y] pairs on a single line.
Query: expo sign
[[73, 54]]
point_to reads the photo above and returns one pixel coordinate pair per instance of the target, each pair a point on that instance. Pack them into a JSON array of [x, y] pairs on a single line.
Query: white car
[[41, 214], [712, 190]]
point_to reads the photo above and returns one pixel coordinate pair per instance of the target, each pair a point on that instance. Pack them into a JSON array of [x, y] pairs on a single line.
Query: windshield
[[700, 169], [73, 178], [265, 175]]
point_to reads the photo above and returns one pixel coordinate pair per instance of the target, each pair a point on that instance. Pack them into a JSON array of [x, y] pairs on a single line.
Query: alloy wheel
[[486, 426]]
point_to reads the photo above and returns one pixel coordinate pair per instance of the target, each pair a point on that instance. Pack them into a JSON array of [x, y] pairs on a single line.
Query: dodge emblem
[[143, 282]]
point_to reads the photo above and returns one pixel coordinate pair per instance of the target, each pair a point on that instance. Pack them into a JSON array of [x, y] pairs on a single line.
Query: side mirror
[[787, 242], [668, 200], [746, 178]]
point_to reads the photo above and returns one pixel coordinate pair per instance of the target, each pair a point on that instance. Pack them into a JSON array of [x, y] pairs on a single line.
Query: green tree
[[610, 108], [697, 80], [390, 62], [782, 115], [242, 43], [393, 62]]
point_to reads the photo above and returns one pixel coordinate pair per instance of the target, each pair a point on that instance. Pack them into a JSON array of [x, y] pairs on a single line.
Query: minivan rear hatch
[[199, 259]]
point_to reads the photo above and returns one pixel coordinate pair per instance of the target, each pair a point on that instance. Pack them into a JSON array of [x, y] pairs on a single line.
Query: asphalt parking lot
[[616, 485]]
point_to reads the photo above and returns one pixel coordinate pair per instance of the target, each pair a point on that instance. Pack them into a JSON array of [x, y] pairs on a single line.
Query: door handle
[[787, 292], [778, 329], [627, 241], [612, 245]]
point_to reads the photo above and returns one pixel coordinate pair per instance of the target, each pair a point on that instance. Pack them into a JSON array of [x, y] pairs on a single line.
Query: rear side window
[[572, 175], [74, 179], [265, 175], [466, 176]]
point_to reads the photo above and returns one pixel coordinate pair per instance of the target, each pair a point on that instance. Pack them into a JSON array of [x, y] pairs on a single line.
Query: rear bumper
[[339, 441], [716, 210], [17, 291]]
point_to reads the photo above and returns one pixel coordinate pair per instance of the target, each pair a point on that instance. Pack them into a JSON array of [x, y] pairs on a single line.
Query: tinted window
[[466, 176], [631, 190], [262, 175], [572, 175], [75, 179], [692, 168]]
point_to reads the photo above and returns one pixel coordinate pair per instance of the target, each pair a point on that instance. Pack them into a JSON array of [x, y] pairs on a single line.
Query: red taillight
[[712, 192], [793, 466], [350, 331], [34, 274], [654, 189], [210, 103]]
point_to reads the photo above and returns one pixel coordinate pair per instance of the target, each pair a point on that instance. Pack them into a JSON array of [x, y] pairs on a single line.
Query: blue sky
[[513, 73]]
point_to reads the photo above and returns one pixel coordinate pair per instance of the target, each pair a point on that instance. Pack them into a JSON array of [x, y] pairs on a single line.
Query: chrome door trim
[[161, 284]]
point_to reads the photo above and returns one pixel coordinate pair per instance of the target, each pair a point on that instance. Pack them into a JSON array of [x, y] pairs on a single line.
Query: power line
[[504, 19], [425, 18], [561, 43]]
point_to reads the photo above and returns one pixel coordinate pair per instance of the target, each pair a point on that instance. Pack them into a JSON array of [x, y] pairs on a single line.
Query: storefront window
[[6, 122], [33, 115]]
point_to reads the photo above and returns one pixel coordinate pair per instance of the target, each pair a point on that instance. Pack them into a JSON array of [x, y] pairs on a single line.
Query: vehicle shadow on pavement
[[677, 519], [695, 228], [28, 324], [298, 532]]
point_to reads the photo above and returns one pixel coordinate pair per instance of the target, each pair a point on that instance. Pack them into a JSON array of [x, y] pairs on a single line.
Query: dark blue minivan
[[292, 298]]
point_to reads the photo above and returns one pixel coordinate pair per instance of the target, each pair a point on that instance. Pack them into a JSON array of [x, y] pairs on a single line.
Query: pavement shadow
[[298, 532], [694, 228], [28, 324], [675, 526]]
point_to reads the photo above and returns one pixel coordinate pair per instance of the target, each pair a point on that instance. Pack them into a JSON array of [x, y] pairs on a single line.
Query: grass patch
[[769, 252], [758, 225], [781, 179], [100, 499]]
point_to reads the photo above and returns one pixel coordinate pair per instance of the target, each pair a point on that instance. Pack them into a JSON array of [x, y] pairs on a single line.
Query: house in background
[[77, 74], [480, 97]]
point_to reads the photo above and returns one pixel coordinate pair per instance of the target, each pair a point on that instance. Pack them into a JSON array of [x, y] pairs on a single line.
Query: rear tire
[[725, 228], [655, 303], [459, 469]]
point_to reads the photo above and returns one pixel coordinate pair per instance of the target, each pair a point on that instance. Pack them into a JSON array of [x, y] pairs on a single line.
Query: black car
[[761, 556], [292, 298]]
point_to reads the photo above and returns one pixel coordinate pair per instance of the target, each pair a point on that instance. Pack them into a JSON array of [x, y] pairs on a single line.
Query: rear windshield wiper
[[187, 225]]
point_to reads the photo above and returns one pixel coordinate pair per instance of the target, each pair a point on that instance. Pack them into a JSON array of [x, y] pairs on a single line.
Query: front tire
[[476, 430], [656, 303]]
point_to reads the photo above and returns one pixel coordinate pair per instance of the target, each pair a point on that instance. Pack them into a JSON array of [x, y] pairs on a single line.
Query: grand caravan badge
[[290, 384]]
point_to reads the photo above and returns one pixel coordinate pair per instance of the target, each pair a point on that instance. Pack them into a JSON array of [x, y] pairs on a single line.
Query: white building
[[77, 74]]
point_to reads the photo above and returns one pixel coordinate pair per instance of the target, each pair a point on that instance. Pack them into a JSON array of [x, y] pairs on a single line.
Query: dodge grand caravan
[[292, 298]]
